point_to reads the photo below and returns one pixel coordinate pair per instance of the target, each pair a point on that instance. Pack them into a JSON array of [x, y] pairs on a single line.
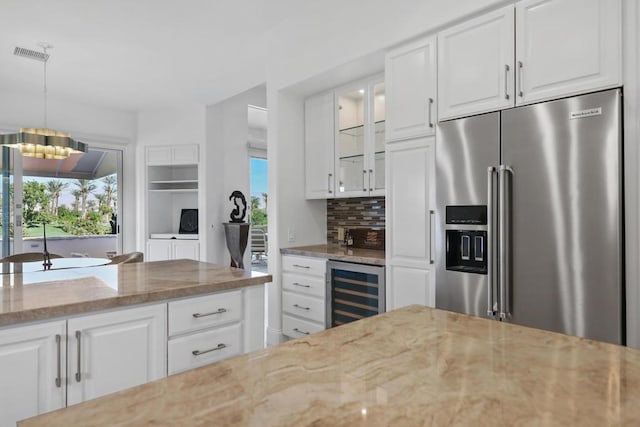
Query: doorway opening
[[257, 120]]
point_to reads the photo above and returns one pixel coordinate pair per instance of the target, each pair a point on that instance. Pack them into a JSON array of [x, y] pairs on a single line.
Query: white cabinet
[[565, 47], [475, 65], [344, 141], [410, 82], [164, 249], [360, 138], [172, 174], [410, 223], [32, 370], [318, 145], [186, 154], [562, 48], [304, 295], [214, 327], [112, 351]]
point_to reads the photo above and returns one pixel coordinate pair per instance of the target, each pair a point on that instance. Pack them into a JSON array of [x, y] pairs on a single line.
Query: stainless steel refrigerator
[[530, 216]]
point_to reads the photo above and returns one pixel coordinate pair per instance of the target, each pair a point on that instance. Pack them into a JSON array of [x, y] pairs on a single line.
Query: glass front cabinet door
[[360, 139]]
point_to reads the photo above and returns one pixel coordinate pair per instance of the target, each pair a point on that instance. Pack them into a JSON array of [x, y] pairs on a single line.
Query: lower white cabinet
[[410, 249], [209, 346], [50, 365], [406, 286], [304, 295], [111, 351], [166, 249], [32, 370], [210, 328]]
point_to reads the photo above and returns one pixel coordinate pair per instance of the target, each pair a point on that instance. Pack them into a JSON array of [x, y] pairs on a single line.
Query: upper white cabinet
[[564, 47], [410, 250], [184, 154], [410, 81], [360, 137], [112, 351], [475, 65], [32, 368], [318, 144], [344, 141]]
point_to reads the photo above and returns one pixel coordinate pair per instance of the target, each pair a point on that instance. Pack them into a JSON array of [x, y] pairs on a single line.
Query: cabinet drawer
[[296, 328], [213, 345], [308, 307], [304, 265], [309, 285], [203, 312]]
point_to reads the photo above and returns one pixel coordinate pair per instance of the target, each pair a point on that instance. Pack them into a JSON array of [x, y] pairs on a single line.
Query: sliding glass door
[[74, 200]]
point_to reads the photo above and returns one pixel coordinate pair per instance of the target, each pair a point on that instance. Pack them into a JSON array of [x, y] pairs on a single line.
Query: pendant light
[[42, 143]]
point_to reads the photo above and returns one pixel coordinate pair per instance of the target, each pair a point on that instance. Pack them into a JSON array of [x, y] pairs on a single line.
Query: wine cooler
[[357, 291]]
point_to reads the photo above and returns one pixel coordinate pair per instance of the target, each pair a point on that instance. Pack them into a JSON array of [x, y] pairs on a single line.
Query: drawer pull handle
[[199, 315], [301, 266], [300, 332], [301, 307], [218, 347], [301, 285]]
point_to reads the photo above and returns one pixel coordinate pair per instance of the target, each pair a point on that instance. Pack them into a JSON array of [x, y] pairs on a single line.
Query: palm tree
[[86, 188], [76, 194], [55, 188], [102, 199], [110, 189]]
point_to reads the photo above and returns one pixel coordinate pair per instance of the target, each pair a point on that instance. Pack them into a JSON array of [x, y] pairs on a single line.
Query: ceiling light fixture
[[42, 143]]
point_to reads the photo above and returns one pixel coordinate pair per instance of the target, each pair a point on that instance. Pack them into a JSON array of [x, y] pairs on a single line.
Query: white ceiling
[[138, 54]]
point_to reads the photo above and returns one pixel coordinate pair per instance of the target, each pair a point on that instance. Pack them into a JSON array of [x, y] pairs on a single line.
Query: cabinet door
[[318, 146], [351, 165], [406, 286], [475, 65], [31, 361], [159, 155], [410, 80], [564, 47], [112, 351], [159, 250], [410, 208], [184, 154], [187, 249]]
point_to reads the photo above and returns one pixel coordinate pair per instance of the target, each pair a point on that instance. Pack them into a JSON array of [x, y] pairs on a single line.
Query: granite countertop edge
[[339, 253], [191, 288]]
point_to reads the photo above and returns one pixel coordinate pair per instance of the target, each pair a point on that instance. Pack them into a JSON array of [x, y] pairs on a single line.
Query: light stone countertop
[[413, 366], [340, 253], [47, 294]]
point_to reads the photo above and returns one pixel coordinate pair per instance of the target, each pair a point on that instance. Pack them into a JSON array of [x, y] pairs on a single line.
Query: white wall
[[180, 125], [227, 134], [98, 126]]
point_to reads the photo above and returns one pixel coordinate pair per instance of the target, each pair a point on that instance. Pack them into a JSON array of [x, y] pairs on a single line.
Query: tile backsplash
[[354, 213]]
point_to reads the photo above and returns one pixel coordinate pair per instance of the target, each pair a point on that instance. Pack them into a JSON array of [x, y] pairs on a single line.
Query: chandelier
[[42, 143]]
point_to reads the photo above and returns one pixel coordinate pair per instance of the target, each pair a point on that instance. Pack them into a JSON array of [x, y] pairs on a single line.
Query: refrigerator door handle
[[504, 230], [491, 240]]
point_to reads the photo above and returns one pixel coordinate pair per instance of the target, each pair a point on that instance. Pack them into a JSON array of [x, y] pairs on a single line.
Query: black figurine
[[240, 202]]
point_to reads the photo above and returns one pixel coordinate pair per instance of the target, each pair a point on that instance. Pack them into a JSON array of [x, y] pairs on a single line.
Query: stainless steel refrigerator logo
[[586, 113]]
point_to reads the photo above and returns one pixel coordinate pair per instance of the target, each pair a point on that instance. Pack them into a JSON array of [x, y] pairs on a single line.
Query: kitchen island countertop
[[412, 366], [340, 253], [42, 295]]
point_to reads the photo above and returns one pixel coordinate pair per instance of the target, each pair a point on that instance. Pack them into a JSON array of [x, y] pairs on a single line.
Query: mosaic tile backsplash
[[353, 213]]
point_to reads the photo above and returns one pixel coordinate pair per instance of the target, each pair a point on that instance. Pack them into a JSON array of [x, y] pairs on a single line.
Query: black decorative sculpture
[[240, 203]]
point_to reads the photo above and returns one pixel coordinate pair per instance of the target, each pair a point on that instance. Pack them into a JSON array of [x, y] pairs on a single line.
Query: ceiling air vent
[[31, 54]]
